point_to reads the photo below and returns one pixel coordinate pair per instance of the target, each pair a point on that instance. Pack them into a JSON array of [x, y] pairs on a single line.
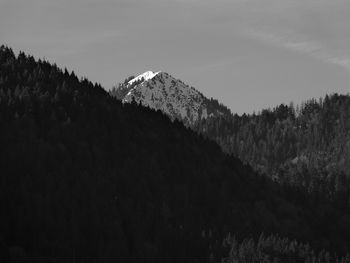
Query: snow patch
[[145, 76]]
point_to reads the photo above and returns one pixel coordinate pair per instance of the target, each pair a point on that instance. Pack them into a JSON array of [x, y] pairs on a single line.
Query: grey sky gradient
[[249, 54]]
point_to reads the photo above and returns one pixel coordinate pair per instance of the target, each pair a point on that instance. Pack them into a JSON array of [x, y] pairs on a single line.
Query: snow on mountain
[[144, 77], [161, 91]]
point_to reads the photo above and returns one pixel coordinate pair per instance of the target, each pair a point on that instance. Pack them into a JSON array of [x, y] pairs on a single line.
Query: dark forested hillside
[[86, 179], [308, 147], [273, 248]]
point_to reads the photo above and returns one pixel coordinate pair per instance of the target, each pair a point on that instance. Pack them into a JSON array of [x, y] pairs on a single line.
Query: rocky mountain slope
[[161, 91]]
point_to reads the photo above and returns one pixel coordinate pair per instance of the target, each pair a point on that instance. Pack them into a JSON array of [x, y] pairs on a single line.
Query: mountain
[[86, 178], [161, 91], [305, 147]]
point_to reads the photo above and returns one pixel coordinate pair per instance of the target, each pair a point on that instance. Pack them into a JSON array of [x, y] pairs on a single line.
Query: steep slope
[[161, 91], [85, 178]]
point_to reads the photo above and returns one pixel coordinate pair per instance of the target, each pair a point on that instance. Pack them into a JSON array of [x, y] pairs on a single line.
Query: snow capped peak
[[161, 91], [145, 76]]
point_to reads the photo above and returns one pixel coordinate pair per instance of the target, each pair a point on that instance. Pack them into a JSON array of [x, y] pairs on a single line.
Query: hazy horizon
[[248, 54]]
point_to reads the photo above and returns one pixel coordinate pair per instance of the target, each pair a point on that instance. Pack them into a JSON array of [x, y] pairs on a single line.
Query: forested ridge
[[275, 249], [85, 178], [306, 146]]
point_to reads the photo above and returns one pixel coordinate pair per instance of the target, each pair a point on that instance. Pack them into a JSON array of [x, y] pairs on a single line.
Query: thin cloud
[[310, 48]]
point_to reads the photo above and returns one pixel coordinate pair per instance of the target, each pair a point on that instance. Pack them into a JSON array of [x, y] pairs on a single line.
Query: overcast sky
[[249, 54]]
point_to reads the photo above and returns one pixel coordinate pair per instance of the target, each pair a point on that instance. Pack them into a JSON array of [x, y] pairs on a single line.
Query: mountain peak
[[161, 91]]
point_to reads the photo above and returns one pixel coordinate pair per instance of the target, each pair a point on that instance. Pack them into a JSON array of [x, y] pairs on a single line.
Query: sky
[[248, 54]]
